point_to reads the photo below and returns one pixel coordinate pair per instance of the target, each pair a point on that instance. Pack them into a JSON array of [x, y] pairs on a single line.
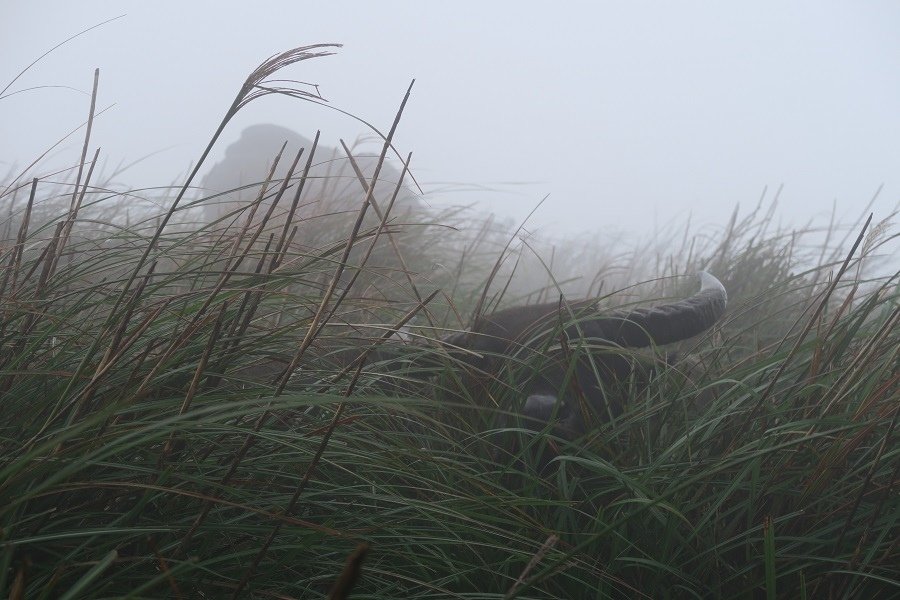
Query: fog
[[626, 116]]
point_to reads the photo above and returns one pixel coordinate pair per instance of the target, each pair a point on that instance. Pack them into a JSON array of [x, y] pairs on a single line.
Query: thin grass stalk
[[76, 198], [329, 292], [241, 320], [278, 258], [114, 350], [78, 402], [296, 201], [394, 246], [769, 557], [282, 188], [326, 437], [165, 569], [359, 362], [17, 590], [51, 50], [11, 273], [685, 483], [126, 317], [3, 94], [858, 363], [33, 316], [48, 262], [828, 233], [245, 313], [350, 575], [254, 207], [817, 357], [313, 330], [88, 578], [888, 494], [812, 321], [536, 559], [260, 421], [729, 234], [73, 212], [863, 491], [148, 349], [867, 209], [210, 346], [294, 94], [382, 228], [245, 95], [226, 276], [248, 92], [198, 374], [480, 305], [236, 257], [175, 345]]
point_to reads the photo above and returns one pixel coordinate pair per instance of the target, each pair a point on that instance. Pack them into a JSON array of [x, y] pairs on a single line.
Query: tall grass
[[217, 412]]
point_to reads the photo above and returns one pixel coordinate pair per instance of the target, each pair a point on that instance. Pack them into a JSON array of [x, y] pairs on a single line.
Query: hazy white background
[[626, 114]]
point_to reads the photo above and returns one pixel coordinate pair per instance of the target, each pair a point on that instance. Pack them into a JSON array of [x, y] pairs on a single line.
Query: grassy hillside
[[226, 409]]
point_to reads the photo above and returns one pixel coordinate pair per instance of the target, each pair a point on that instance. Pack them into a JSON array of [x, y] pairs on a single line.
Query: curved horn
[[662, 324]]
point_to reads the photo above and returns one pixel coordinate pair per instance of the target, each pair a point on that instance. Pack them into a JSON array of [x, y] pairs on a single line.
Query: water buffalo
[[566, 360]]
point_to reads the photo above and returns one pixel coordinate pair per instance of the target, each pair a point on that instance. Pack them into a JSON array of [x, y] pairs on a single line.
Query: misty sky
[[626, 114]]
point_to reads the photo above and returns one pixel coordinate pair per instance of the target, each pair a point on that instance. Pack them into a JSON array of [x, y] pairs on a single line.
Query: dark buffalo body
[[564, 360]]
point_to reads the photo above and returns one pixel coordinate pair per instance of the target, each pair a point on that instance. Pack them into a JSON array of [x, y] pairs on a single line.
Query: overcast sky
[[626, 114]]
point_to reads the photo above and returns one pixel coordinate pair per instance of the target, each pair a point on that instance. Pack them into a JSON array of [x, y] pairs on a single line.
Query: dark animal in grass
[[567, 361], [565, 364]]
